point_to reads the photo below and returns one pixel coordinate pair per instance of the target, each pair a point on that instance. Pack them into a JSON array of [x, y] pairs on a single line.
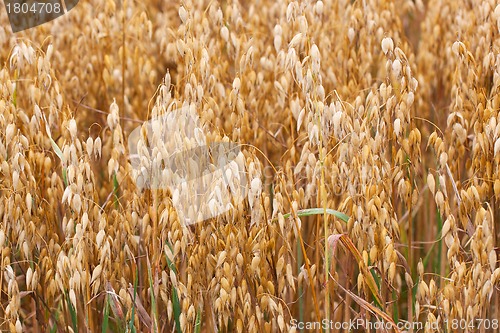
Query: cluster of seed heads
[[387, 111]]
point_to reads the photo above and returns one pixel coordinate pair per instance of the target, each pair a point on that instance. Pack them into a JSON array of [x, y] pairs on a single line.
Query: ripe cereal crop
[[252, 166]]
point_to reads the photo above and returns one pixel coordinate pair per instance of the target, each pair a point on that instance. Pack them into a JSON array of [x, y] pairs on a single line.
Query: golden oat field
[[365, 188]]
